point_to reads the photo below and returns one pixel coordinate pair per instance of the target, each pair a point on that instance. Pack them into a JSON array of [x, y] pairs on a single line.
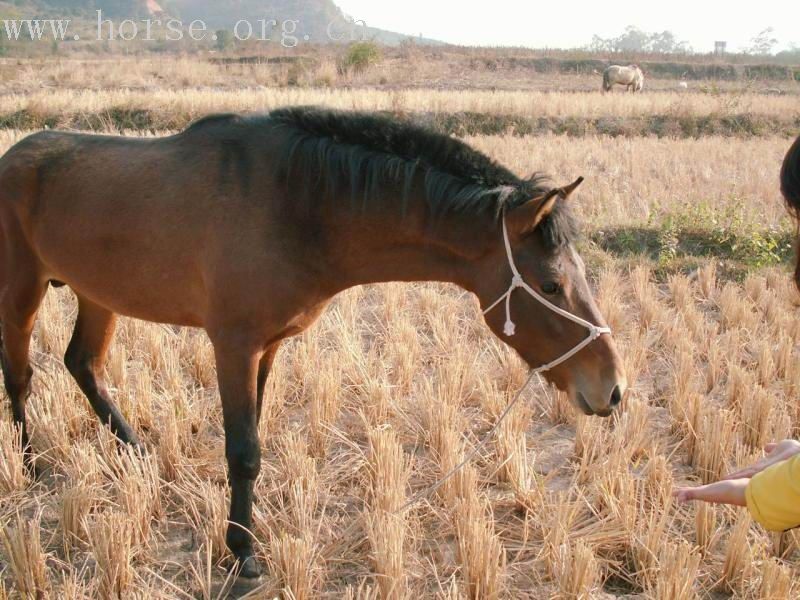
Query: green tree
[[634, 39], [666, 43], [763, 43], [359, 57], [223, 39]]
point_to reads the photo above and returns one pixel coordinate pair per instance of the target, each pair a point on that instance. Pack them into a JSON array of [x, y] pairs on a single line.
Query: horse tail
[[4, 199], [790, 188], [9, 185], [606, 80], [15, 166]]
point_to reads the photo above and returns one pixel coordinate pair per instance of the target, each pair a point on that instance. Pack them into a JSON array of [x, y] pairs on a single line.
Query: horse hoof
[[248, 568], [34, 473], [31, 469], [134, 447]]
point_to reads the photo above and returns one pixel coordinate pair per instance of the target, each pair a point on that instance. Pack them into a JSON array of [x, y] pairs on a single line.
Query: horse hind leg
[[19, 302], [86, 355]]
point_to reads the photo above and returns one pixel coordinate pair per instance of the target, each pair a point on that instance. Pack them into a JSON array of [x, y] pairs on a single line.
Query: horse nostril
[[616, 396]]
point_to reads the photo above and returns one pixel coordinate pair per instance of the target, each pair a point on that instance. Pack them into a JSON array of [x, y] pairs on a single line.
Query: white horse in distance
[[631, 76]]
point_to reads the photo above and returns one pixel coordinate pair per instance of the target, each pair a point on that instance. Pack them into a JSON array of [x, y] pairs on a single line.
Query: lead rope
[[509, 329]]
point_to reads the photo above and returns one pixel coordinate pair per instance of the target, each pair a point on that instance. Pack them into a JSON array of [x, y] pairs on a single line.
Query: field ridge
[[461, 123]]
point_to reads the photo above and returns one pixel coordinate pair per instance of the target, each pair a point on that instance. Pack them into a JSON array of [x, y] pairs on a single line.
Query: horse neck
[[373, 248]]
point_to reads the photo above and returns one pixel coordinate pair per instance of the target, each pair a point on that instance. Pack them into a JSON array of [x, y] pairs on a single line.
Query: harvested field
[[688, 246], [374, 403], [665, 114]]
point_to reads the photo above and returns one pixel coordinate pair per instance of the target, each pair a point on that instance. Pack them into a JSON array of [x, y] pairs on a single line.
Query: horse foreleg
[[85, 358], [237, 373]]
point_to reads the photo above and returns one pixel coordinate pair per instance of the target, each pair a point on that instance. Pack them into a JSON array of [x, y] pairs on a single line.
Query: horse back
[[144, 227]]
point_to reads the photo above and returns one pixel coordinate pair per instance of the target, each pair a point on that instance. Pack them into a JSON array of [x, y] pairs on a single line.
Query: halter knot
[[517, 281], [509, 329]]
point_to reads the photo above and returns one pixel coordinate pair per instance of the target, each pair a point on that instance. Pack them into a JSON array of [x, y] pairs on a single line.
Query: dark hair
[[358, 152], [790, 188]]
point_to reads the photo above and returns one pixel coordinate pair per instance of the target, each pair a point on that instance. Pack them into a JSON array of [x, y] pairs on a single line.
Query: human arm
[[731, 491]]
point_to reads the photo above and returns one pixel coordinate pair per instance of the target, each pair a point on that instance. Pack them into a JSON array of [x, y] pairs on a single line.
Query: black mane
[[360, 152]]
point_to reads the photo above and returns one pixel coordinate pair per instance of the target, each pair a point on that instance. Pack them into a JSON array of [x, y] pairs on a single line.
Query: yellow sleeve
[[773, 496]]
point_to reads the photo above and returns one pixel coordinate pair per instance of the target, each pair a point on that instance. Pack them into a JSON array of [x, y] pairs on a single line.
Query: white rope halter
[[516, 282], [510, 328]]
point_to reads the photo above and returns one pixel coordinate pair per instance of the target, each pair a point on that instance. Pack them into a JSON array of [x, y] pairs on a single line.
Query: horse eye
[[550, 288]]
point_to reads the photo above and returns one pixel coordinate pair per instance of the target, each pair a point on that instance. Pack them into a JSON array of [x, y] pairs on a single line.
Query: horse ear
[[568, 189], [525, 218]]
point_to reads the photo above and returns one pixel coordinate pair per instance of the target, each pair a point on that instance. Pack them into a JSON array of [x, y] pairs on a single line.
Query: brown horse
[[790, 188], [248, 226]]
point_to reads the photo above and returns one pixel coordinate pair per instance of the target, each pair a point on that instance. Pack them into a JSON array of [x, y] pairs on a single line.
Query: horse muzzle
[[602, 400]]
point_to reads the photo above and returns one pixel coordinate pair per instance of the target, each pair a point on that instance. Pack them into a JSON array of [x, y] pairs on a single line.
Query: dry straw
[[294, 559], [386, 528], [547, 503], [678, 568], [111, 537], [580, 574], [26, 559], [13, 475], [738, 563], [481, 552]]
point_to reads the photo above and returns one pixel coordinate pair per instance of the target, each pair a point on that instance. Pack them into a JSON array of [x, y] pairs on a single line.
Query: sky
[[564, 24]]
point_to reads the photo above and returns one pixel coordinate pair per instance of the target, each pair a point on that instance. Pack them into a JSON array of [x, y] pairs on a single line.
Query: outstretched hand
[[731, 490], [776, 452]]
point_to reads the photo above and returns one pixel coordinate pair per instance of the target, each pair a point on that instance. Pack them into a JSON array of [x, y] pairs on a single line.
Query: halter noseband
[[510, 328], [516, 282]]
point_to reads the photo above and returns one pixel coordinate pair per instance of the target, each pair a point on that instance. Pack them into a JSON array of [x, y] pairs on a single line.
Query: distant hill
[[314, 16], [112, 8]]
